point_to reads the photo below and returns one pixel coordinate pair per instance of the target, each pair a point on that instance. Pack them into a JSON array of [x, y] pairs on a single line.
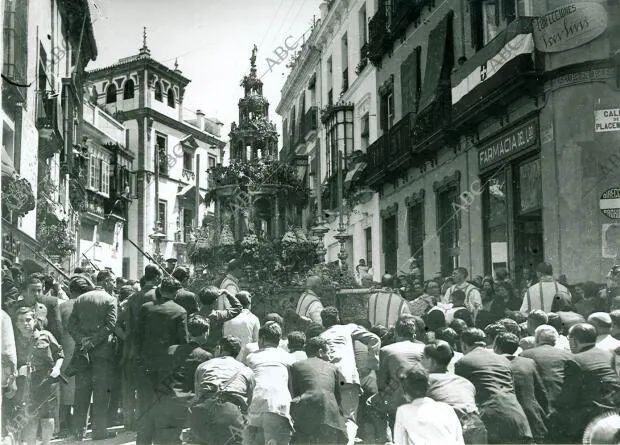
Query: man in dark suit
[[528, 384], [591, 386], [161, 324], [495, 394], [91, 324], [316, 395], [550, 361], [131, 372], [184, 297], [177, 388]]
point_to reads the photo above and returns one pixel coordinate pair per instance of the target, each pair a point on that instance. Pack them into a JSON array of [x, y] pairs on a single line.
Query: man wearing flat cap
[[171, 264], [603, 324]]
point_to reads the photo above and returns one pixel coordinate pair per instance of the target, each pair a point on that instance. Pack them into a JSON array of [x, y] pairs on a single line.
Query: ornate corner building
[[172, 149], [494, 132]]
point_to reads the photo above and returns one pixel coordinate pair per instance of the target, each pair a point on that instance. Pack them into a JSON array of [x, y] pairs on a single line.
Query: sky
[[212, 40]]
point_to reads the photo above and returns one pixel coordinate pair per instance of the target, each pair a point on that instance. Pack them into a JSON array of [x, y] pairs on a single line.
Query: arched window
[[171, 98], [110, 96], [158, 93], [128, 89]]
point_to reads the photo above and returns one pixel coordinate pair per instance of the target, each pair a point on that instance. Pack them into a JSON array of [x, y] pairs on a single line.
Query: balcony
[[377, 160], [105, 123], [46, 121], [363, 59], [311, 120], [188, 175], [405, 12], [400, 143], [518, 77], [433, 123], [94, 206], [380, 41]]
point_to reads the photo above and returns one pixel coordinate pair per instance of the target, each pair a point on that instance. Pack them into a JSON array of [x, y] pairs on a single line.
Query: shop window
[[128, 89], [110, 95], [448, 222]]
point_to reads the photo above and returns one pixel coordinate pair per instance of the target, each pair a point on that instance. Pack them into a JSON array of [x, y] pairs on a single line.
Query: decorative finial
[[145, 49], [176, 64], [253, 58]]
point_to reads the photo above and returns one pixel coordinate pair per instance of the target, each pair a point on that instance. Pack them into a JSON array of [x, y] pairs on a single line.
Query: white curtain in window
[[490, 20]]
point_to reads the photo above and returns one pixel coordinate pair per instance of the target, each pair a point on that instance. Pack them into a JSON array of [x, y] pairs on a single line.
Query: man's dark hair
[[103, 275], [493, 330], [296, 341], [458, 295], [23, 310], [471, 336], [435, 320], [440, 351], [198, 325], [387, 280], [538, 317], [583, 332], [510, 325], [78, 270], [507, 343], [314, 345], [276, 318], [170, 285], [151, 272], [271, 333], [80, 285], [314, 330], [544, 268], [230, 345], [406, 328], [181, 273], [415, 381], [48, 283], [501, 273], [561, 304], [458, 325], [208, 295], [245, 298], [330, 316], [448, 335], [555, 320], [125, 292]]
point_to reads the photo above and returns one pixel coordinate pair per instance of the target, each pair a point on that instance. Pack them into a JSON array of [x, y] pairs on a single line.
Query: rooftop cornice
[[141, 62]]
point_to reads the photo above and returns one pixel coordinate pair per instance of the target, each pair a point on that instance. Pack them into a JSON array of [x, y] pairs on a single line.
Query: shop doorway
[[512, 218]]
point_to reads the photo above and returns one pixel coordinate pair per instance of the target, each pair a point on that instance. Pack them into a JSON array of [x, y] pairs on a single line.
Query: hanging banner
[[569, 27], [610, 203]]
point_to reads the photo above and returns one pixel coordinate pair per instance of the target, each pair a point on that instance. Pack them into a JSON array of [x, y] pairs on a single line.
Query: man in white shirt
[[245, 325], [269, 419], [340, 352], [423, 420], [542, 294], [473, 300], [603, 324]]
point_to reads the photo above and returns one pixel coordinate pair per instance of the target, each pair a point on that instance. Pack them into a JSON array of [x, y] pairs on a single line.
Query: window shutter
[[475, 14], [383, 113]]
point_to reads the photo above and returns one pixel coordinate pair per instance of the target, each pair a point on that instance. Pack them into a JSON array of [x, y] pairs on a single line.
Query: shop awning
[[8, 169], [438, 59], [189, 193]]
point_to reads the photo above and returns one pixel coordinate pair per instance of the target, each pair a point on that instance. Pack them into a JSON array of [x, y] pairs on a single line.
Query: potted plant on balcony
[[17, 195]]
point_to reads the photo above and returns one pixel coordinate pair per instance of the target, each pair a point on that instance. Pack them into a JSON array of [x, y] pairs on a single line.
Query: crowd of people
[[469, 362]]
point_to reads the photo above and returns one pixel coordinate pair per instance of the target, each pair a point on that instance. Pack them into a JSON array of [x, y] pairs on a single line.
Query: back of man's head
[[506, 343], [555, 320], [493, 330], [473, 337], [314, 345], [448, 335], [458, 296], [274, 317], [208, 295], [152, 273], [544, 269], [584, 333], [181, 273], [330, 316], [296, 341], [440, 351], [415, 381], [601, 321], [270, 333], [314, 330], [536, 318], [313, 282], [546, 335], [406, 328], [79, 285], [169, 287], [387, 280], [198, 325], [245, 298], [230, 346]]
